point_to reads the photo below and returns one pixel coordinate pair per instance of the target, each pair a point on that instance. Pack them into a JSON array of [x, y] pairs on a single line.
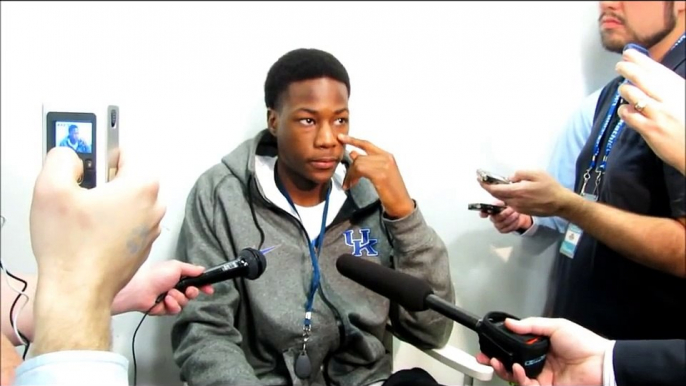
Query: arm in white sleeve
[[74, 368], [608, 367]]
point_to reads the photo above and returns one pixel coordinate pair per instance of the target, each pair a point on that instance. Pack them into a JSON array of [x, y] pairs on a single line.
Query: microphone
[[250, 264], [414, 294], [410, 292]]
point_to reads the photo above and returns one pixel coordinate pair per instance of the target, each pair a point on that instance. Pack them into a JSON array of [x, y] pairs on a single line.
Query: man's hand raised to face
[[380, 168]]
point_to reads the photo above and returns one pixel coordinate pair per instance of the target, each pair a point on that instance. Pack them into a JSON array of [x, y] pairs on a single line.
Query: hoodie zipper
[[334, 310]]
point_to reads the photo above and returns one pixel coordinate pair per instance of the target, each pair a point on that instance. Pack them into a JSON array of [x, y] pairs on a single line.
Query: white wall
[[447, 87]]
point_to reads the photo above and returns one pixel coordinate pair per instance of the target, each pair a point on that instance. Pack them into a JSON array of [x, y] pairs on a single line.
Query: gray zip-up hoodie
[[249, 332]]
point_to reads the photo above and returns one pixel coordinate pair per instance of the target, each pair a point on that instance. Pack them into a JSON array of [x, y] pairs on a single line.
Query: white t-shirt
[[310, 217]]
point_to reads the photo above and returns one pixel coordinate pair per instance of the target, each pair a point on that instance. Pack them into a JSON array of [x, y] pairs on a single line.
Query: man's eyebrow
[[314, 112]]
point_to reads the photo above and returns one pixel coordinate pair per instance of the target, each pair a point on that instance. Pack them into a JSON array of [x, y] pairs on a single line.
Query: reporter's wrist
[[526, 224], [71, 318], [59, 329]]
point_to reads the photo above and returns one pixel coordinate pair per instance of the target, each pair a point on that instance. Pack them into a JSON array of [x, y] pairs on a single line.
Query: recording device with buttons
[[93, 134]]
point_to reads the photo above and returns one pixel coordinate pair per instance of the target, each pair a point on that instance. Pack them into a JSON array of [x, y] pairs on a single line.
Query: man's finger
[[354, 155], [510, 220], [483, 359], [179, 298], [633, 94], [484, 186], [648, 64], [365, 145], [504, 214], [534, 325], [192, 292], [636, 120], [502, 192], [653, 78], [207, 289], [62, 168], [186, 269], [525, 175], [639, 78], [171, 304], [520, 377], [499, 369]]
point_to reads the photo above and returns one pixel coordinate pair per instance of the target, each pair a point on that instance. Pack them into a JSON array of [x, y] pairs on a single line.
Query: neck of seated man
[[303, 192]]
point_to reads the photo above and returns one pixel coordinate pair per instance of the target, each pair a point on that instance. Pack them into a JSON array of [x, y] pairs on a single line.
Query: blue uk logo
[[364, 243]]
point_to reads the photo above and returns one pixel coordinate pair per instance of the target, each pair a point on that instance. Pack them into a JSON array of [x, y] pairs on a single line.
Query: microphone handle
[[451, 311], [213, 275]]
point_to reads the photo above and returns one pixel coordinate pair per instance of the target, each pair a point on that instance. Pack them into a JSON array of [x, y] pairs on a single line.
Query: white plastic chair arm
[[461, 361]]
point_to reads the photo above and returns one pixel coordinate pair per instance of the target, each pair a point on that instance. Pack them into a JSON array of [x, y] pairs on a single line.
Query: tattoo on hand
[[137, 239]]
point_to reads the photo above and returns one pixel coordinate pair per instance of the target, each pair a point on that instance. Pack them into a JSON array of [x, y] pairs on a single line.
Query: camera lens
[[113, 118]]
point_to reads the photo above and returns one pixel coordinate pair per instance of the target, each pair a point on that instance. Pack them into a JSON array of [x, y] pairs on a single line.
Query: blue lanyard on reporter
[[600, 170], [315, 248]]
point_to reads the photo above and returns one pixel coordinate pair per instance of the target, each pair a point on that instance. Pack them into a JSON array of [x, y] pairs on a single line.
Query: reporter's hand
[[575, 357], [97, 238], [532, 192], [508, 220], [662, 121], [88, 244], [153, 280]]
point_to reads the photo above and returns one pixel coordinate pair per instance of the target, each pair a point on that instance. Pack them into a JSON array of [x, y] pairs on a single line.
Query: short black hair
[[298, 65], [72, 128]]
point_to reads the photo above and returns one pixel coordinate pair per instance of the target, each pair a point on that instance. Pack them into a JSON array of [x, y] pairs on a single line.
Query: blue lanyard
[[613, 135], [315, 248]]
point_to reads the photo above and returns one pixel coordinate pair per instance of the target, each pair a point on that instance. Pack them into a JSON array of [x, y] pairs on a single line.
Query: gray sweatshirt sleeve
[[420, 252], [205, 342]]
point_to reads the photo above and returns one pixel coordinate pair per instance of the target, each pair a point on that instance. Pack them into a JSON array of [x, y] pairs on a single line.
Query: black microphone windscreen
[[257, 263], [406, 290]]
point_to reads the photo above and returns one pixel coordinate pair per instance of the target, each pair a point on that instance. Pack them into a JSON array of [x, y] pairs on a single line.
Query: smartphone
[[491, 178], [486, 208], [91, 131], [78, 131], [112, 141]]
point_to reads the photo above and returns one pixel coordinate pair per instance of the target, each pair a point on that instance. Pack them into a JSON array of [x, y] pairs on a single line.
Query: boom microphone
[[410, 292], [250, 264], [414, 294]]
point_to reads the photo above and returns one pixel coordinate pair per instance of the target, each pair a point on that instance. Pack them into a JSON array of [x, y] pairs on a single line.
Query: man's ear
[[272, 121]]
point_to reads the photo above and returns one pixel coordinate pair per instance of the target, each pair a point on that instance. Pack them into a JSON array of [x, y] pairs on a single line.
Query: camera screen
[[76, 135]]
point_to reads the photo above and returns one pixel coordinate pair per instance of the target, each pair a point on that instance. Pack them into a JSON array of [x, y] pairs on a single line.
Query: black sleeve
[[650, 362], [676, 189]]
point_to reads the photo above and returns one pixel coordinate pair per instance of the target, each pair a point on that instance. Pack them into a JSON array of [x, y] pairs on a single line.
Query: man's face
[[311, 115], [644, 23], [74, 134]]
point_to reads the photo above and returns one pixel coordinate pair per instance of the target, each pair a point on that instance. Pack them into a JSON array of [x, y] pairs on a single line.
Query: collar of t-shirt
[[310, 217]]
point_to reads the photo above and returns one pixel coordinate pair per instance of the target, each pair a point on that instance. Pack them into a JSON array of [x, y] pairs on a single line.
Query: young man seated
[[294, 193]]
